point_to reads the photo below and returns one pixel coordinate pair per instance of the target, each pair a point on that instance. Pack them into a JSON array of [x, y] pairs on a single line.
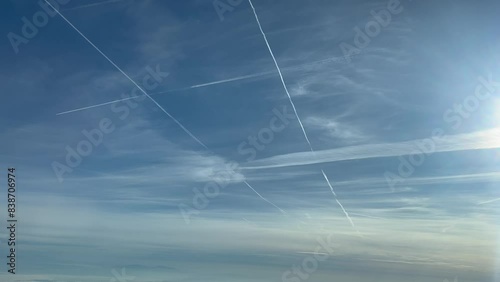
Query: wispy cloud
[[489, 201], [336, 129], [487, 139], [222, 87]]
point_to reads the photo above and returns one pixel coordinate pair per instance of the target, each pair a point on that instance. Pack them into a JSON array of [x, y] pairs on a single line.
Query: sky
[[232, 140]]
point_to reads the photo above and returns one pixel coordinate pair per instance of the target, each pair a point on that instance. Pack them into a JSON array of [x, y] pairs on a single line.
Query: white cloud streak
[[487, 139], [489, 201]]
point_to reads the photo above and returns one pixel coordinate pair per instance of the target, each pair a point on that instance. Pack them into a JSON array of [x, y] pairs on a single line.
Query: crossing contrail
[[147, 95], [297, 67], [128, 77], [296, 114]]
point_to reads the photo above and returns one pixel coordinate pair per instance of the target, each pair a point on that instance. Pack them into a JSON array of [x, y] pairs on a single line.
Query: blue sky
[[424, 90]]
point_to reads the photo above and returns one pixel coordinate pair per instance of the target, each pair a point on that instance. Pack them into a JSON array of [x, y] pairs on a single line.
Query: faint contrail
[[128, 77], [227, 80], [92, 5], [95, 106], [249, 186], [295, 111], [364, 215]]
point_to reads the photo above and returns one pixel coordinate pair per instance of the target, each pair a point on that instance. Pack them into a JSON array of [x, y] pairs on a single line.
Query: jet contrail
[[323, 61], [295, 111], [249, 186], [147, 95], [128, 77]]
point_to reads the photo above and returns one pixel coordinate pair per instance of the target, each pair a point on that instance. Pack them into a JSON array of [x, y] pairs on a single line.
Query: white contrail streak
[[296, 114], [249, 186], [281, 76], [128, 77]]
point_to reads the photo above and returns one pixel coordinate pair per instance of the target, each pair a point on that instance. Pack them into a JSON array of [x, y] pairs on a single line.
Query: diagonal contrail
[[147, 95], [297, 67], [227, 80], [338, 202], [163, 92], [128, 77], [249, 186], [97, 105], [296, 114]]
